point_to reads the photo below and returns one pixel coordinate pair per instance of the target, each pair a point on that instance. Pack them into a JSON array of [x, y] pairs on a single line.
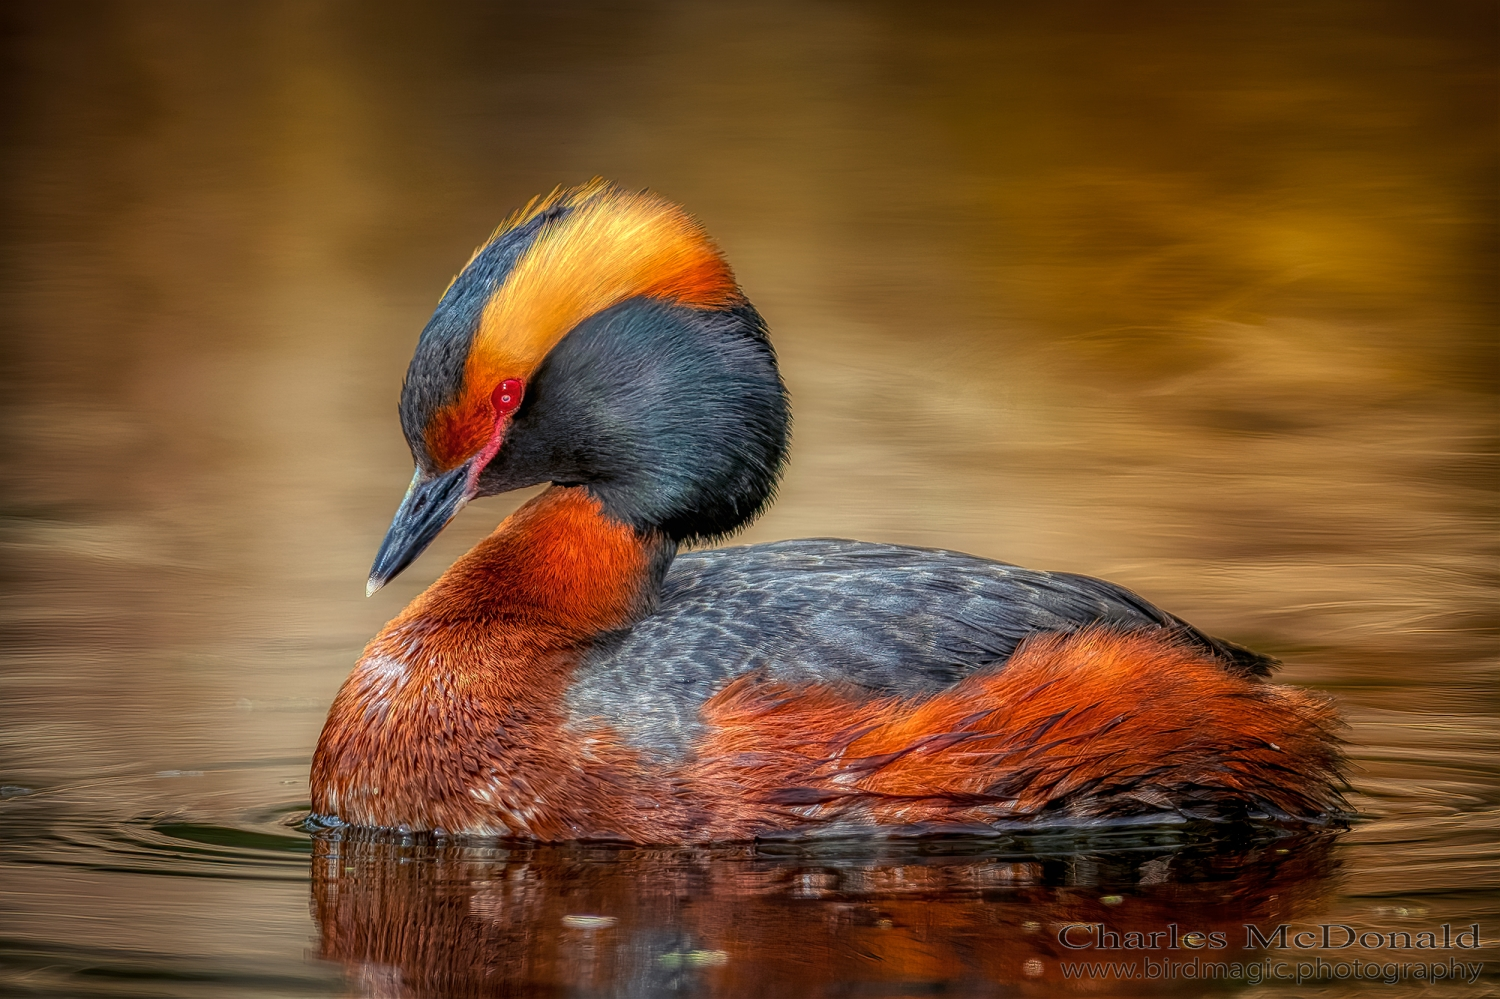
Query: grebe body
[[575, 677]]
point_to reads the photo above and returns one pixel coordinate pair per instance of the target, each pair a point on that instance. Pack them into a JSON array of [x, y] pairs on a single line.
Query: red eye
[[507, 396]]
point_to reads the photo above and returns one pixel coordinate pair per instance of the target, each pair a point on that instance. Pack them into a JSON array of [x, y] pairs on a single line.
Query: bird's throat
[[559, 568]]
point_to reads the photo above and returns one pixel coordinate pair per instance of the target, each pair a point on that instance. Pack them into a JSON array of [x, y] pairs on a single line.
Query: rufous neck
[[558, 565]]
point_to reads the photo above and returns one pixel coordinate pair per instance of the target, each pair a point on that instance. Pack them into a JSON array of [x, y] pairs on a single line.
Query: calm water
[[1196, 297]]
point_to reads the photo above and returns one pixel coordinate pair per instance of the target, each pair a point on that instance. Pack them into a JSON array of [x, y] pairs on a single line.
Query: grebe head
[[598, 339]]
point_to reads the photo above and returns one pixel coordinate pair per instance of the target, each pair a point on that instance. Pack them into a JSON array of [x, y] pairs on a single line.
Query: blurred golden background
[[1200, 298]]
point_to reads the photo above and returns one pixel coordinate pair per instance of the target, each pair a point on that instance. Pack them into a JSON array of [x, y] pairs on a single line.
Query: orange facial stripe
[[612, 246], [459, 431]]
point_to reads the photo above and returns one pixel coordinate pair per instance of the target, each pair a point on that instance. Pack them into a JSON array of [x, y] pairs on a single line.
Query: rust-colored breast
[[452, 718]]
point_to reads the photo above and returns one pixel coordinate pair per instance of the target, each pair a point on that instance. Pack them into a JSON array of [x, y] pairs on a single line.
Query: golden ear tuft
[[611, 246], [567, 197]]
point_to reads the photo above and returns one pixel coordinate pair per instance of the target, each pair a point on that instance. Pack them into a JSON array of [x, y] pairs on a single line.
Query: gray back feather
[[885, 618]]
